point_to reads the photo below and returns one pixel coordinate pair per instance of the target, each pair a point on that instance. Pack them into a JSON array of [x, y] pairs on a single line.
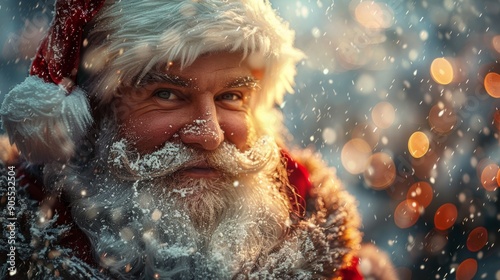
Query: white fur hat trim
[[44, 121]]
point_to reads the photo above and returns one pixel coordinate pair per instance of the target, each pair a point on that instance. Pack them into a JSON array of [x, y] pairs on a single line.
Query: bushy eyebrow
[[247, 82], [158, 77]]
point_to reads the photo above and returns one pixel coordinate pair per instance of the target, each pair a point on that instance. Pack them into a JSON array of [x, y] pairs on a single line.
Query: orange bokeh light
[[406, 214], [498, 177], [442, 71], [383, 115], [367, 132], [442, 118], [492, 84], [467, 269], [354, 155], [445, 216], [477, 239], [421, 192], [495, 42], [373, 15], [489, 177], [380, 172], [418, 144]]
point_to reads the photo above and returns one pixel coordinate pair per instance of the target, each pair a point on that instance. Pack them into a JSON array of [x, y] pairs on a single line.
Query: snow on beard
[[206, 200], [145, 219], [130, 165]]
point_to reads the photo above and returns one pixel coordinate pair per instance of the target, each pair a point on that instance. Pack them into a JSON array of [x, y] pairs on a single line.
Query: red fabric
[[351, 272], [298, 176], [58, 56]]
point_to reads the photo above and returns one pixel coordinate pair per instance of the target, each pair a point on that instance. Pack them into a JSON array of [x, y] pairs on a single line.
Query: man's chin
[[205, 200]]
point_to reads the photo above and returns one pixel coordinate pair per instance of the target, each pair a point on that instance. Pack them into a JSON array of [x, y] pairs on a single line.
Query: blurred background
[[401, 98]]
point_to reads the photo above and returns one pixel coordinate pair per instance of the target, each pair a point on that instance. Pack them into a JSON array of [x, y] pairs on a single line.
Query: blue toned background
[[371, 79]]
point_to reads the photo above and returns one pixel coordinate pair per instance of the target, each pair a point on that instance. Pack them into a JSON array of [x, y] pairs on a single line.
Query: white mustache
[[172, 157]]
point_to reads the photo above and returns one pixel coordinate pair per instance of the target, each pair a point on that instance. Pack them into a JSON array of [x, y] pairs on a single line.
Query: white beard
[[147, 223]]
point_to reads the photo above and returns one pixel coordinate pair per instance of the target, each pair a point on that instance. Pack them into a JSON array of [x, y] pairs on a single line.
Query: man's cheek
[[241, 132], [147, 135], [134, 129], [252, 133], [128, 131]]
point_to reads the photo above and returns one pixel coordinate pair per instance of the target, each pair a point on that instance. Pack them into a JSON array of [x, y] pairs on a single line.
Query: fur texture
[[43, 121]]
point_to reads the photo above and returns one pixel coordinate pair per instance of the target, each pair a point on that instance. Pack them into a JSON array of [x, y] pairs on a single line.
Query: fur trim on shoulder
[[330, 207], [332, 220]]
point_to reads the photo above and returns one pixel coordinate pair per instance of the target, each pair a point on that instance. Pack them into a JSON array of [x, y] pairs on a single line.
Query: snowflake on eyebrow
[[248, 82]]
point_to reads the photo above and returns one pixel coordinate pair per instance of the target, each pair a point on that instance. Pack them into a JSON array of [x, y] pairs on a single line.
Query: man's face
[[201, 105], [185, 168]]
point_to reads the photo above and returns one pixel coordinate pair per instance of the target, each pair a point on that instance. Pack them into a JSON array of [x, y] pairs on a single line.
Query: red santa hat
[[48, 113]]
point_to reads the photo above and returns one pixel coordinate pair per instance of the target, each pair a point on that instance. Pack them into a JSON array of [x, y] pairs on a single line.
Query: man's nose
[[203, 131]]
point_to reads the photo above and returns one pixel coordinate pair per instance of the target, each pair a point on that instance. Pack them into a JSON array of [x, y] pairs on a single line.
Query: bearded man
[[149, 135]]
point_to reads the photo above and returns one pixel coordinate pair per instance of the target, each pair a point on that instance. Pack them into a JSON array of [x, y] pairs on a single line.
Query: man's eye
[[229, 97], [165, 94]]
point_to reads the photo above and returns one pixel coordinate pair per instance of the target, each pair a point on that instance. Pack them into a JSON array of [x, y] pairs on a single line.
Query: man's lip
[[200, 172]]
